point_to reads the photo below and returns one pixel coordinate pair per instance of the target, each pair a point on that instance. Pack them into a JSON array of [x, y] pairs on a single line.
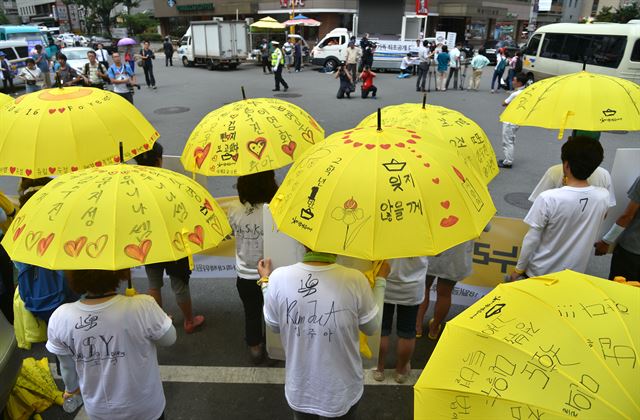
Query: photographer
[[94, 73], [367, 48], [32, 76], [122, 77]]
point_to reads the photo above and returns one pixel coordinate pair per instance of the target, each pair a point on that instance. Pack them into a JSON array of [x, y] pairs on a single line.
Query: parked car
[[77, 57], [15, 52], [493, 45], [69, 40], [107, 43], [9, 360]]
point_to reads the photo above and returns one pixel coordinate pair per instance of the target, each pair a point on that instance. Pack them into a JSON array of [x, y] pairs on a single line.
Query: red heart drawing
[[400, 145], [415, 136], [52, 170], [411, 141], [385, 146], [208, 205], [308, 137], [235, 157], [369, 146], [289, 148], [27, 171], [345, 137], [200, 154], [32, 239], [448, 221], [458, 173], [51, 111], [116, 159], [98, 164], [61, 110], [12, 169], [138, 252], [435, 180], [348, 141], [74, 168], [357, 144], [134, 151], [73, 248], [427, 165], [419, 156], [197, 236], [445, 204], [44, 243], [18, 232], [146, 146], [257, 147]]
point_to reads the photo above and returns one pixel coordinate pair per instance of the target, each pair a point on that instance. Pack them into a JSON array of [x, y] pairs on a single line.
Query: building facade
[[10, 9]]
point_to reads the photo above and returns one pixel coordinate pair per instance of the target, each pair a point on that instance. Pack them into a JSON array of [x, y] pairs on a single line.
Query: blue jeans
[[510, 76], [497, 75], [32, 88]]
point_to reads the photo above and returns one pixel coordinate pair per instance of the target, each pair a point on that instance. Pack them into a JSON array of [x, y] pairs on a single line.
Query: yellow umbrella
[[445, 127], [581, 101], [559, 346], [378, 194], [267, 23], [250, 136], [56, 131], [34, 391], [5, 99], [115, 217]]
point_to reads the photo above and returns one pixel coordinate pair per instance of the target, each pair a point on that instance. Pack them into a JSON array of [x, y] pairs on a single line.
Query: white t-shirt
[[570, 219], [319, 310], [454, 55], [246, 222], [31, 74], [513, 95], [554, 175], [116, 360], [406, 281]]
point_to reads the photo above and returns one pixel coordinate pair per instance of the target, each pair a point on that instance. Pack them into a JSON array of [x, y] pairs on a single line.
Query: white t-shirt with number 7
[[570, 219]]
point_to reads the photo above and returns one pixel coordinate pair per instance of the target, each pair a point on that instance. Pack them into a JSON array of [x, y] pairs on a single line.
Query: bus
[[31, 34], [606, 48]]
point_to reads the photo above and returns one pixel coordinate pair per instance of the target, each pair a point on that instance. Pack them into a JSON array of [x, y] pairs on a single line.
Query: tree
[[626, 13], [3, 18], [130, 4], [605, 15], [100, 8], [139, 22]]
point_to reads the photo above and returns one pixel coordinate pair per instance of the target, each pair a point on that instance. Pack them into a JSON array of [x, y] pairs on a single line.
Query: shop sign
[[291, 3], [194, 7], [421, 7]]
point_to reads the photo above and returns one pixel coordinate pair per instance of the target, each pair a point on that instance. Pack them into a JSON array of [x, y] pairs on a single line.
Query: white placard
[[544, 5], [441, 37], [451, 39]]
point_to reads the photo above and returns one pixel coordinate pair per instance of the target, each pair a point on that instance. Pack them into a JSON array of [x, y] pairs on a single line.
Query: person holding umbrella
[[277, 63]]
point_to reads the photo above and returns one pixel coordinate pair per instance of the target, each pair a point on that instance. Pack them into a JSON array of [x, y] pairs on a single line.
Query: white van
[[16, 52], [605, 48]]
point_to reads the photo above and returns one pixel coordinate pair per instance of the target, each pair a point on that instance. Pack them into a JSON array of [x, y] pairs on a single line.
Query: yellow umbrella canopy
[[378, 194], [446, 127], [581, 101], [57, 131], [115, 217], [560, 346], [5, 99], [267, 23], [250, 136]]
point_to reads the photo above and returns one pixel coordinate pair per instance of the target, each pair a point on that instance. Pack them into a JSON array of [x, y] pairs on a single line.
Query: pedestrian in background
[[509, 130], [511, 70], [346, 83], [31, 75], [178, 271], [277, 64], [454, 66], [367, 48], [287, 49], [367, 83], [167, 46], [122, 78], [297, 52], [424, 59], [94, 72], [498, 71], [264, 53], [443, 60], [564, 222], [65, 73], [147, 56], [42, 61], [352, 58], [478, 63], [130, 59], [402, 296], [246, 221], [6, 73], [102, 56]]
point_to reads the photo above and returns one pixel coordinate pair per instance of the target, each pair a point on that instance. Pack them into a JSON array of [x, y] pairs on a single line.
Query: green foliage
[[620, 15], [3, 19], [151, 37], [140, 22], [100, 9], [605, 15]]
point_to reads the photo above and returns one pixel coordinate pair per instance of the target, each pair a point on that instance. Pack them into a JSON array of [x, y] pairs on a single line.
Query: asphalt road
[[207, 374]]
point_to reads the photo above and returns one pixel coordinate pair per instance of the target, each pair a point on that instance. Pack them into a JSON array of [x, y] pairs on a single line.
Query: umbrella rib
[[627, 92], [546, 89]]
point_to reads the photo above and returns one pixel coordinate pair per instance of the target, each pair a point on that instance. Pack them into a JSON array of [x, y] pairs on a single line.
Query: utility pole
[[533, 16]]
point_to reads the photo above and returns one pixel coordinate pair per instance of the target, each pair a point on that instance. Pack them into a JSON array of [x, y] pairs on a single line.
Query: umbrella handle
[[564, 124]]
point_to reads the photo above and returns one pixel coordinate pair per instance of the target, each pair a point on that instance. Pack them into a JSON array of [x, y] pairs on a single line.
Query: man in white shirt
[[424, 58], [454, 66], [509, 130], [351, 58], [122, 77], [102, 56], [554, 178], [478, 63], [564, 222], [319, 308], [287, 49]]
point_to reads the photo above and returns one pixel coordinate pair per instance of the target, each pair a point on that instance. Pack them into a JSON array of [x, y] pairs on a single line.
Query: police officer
[[277, 63]]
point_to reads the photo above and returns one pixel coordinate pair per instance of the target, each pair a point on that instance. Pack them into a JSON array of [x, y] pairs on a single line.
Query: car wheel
[[330, 65], [185, 62]]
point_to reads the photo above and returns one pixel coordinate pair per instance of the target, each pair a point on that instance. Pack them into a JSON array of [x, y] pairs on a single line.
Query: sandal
[[402, 377], [431, 337], [378, 375]]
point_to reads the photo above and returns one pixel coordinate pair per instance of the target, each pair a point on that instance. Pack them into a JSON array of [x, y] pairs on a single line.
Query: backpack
[[518, 67], [288, 49], [42, 290], [501, 65]]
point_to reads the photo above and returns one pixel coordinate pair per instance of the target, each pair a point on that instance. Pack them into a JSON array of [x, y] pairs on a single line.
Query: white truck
[[331, 50], [215, 44]]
